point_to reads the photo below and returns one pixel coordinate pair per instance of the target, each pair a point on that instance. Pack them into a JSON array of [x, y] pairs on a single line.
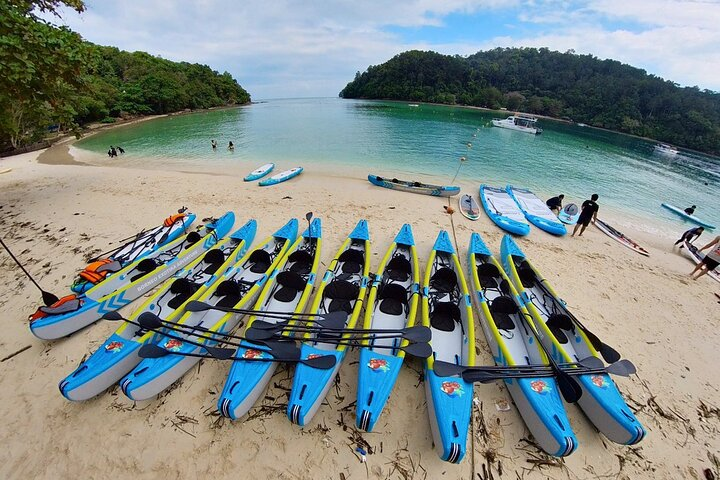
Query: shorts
[[711, 264], [584, 221]]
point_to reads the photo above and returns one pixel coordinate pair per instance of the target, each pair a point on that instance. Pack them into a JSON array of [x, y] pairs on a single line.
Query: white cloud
[[308, 48]]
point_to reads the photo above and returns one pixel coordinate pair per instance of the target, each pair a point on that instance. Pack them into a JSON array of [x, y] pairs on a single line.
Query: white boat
[[520, 122], [666, 149]]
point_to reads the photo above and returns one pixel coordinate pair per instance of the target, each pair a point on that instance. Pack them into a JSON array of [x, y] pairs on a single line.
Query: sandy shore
[[54, 211]]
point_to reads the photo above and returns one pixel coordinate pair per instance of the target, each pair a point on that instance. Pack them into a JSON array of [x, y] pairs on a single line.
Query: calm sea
[[427, 142]]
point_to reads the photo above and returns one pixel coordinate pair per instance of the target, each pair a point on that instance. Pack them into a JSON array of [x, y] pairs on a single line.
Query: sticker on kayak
[[173, 345], [540, 387], [252, 353], [600, 381], [453, 389], [378, 365], [113, 347]]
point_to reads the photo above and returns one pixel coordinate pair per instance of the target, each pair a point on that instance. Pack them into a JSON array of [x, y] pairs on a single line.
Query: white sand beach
[[56, 209]]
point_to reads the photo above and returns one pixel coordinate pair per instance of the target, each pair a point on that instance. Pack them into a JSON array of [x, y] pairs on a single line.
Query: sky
[[310, 48]]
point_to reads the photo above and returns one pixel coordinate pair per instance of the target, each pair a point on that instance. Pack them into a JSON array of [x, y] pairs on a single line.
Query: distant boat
[[413, 105], [519, 122], [582, 125], [665, 149]]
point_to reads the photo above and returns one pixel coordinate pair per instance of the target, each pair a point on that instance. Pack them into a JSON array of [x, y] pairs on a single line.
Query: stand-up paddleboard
[[281, 177], [469, 207], [567, 341], [696, 256], [620, 238], [692, 218], [447, 311], [536, 211], [570, 214], [503, 210], [259, 172]]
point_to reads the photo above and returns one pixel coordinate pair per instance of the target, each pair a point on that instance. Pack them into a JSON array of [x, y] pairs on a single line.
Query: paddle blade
[[49, 298], [447, 369], [569, 388], [324, 362], [220, 353], [114, 316], [623, 368], [308, 216], [283, 349], [418, 333], [150, 350], [149, 321], [420, 350], [253, 333], [334, 319], [478, 376], [591, 362], [263, 325], [609, 354], [196, 306]]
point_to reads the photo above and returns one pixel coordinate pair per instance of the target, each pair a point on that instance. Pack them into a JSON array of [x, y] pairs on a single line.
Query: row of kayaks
[[263, 170], [272, 284]]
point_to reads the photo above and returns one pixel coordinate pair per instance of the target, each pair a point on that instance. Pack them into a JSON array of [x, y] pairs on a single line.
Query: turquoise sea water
[[427, 142]]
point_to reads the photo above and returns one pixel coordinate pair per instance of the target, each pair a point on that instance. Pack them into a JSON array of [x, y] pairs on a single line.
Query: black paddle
[[623, 368], [418, 332], [155, 351], [420, 350], [308, 217], [48, 298], [608, 353], [412, 334]]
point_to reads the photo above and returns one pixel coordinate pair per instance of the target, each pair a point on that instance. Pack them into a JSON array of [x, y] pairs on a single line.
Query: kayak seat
[[261, 261], [290, 283], [501, 309], [341, 292], [444, 280], [231, 293], [192, 238], [66, 307], [214, 258], [444, 316], [505, 287], [145, 266], [351, 267], [182, 289], [301, 262], [527, 275], [111, 267], [557, 323], [487, 274], [393, 298], [398, 268], [352, 260]]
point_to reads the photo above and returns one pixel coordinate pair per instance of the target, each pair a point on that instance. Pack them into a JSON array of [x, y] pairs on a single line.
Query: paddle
[[198, 306], [413, 334], [420, 350], [308, 217], [48, 298], [585, 366], [155, 351], [608, 353]]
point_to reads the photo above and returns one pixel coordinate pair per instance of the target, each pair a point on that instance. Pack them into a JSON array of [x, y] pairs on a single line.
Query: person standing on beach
[[688, 235], [214, 144], [555, 203], [588, 213], [690, 210], [710, 261]]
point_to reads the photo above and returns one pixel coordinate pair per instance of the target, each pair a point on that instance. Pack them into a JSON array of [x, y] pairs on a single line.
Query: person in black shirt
[[588, 213], [555, 204], [688, 235], [690, 210]]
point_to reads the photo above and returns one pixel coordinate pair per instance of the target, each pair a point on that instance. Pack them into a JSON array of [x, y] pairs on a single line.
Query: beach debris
[[448, 209], [502, 405], [17, 352], [363, 454], [287, 197]]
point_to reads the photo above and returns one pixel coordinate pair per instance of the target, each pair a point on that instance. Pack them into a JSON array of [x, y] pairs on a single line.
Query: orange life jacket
[[91, 274], [172, 219], [55, 308]]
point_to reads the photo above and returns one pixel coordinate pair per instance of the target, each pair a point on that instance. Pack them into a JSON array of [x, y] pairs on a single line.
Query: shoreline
[[55, 214]]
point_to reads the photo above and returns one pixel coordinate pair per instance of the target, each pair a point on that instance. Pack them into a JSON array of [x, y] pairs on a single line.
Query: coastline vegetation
[[580, 88], [54, 80]]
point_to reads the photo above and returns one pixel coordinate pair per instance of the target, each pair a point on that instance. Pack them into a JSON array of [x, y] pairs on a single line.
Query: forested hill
[[602, 93], [53, 79]]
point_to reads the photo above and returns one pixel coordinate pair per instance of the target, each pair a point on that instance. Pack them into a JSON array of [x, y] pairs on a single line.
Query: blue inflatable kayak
[[281, 177], [536, 211], [414, 187], [503, 210], [691, 218]]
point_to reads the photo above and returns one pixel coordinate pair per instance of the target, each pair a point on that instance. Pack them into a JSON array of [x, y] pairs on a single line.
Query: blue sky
[[295, 48]]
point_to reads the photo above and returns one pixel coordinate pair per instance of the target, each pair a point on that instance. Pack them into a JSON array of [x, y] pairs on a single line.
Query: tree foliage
[[603, 93], [51, 76]]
